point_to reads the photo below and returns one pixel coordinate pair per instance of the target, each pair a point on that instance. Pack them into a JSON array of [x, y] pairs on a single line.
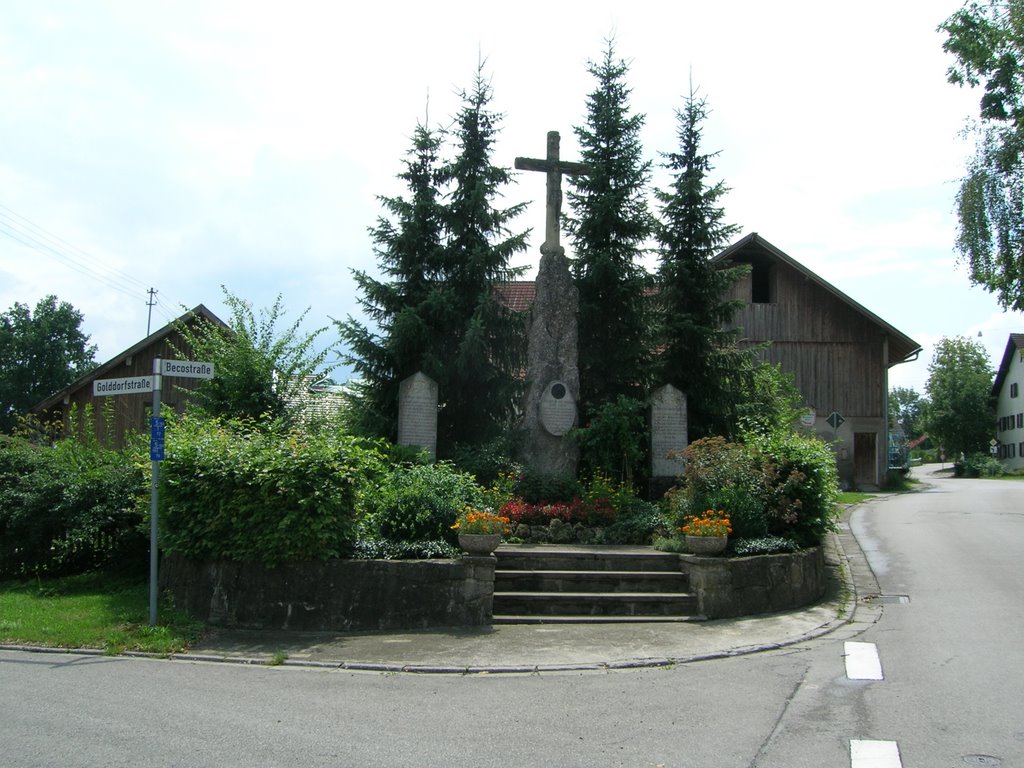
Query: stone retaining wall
[[335, 595], [727, 587]]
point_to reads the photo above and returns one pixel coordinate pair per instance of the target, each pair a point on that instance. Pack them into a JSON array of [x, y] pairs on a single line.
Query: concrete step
[[634, 604], [538, 558], [545, 619], [589, 581]]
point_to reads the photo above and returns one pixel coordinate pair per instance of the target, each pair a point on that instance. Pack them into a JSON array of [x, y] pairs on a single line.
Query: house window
[[1020, 421], [1021, 449], [1014, 390], [761, 283]]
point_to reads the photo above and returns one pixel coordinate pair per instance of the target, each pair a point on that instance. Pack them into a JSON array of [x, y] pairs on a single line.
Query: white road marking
[[862, 662], [874, 754]]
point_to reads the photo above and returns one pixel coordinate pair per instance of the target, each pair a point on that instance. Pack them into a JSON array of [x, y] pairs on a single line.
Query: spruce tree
[[485, 345], [406, 307], [696, 353], [608, 226]]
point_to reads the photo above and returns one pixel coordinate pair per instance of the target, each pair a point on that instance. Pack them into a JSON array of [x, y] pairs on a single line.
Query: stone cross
[[554, 168]]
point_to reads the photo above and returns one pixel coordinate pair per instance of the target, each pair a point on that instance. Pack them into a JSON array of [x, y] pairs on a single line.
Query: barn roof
[[1014, 343], [199, 311], [902, 348]]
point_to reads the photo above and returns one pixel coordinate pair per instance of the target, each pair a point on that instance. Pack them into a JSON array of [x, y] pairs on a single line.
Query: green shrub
[[382, 549], [540, 487], [233, 492], [978, 465], [614, 442], [637, 523], [417, 503], [70, 508]]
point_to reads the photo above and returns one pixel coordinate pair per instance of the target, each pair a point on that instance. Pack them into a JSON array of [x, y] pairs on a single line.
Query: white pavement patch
[[862, 662], [874, 754]]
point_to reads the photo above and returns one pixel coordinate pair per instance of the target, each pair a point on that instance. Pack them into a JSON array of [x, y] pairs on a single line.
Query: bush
[[637, 523], [70, 508], [417, 503], [766, 545], [542, 487], [233, 492], [381, 549], [978, 465], [781, 484]]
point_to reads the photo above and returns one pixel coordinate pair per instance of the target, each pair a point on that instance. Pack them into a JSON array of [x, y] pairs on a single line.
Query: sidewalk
[[847, 610]]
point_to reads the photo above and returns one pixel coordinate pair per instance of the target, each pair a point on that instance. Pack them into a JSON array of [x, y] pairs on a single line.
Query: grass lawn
[[93, 610], [854, 497]]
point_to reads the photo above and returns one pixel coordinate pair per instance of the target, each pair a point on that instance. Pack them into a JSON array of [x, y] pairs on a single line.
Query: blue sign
[[157, 425]]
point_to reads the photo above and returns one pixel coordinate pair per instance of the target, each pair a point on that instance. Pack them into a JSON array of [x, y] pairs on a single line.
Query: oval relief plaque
[[557, 409]]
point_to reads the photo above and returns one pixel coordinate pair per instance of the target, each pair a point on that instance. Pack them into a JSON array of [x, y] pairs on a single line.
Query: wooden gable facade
[[838, 352], [114, 417]]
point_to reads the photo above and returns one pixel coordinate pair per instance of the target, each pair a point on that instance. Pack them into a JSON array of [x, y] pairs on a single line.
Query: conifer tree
[[486, 344], [404, 307], [696, 351], [608, 226], [442, 250]]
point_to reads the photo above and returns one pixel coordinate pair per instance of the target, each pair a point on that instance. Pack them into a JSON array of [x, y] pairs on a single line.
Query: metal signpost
[[157, 424]]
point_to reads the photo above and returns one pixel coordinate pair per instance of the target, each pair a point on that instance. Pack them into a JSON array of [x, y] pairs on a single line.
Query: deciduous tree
[[987, 40], [41, 351], [960, 414]]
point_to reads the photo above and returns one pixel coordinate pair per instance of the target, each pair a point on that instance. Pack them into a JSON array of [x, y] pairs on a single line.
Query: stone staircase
[[535, 584]]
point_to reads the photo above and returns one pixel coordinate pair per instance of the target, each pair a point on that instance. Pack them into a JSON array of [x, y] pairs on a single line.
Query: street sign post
[[835, 420], [134, 385]]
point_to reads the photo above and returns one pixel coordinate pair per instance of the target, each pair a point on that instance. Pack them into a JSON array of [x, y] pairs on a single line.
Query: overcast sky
[[183, 146]]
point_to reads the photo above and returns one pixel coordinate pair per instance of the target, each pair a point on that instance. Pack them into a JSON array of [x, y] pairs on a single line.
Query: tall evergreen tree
[[696, 353], [608, 226], [407, 307], [486, 344], [442, 250]]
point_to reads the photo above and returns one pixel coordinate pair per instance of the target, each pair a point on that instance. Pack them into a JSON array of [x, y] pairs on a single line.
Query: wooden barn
[[838, 352], [115, 416]]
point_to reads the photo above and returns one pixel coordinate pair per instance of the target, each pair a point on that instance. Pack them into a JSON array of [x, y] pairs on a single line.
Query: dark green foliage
[[417, 503], [615, 441], [608, 226], [767, 400], [697, 354], [231, 491], [537, 487], [960, 414], [69, 508], [988, 43], [766, 545], [486, 461], [443, 250], [637, 522], [41, 351], [260, 368], [782, 485], [978, 465]]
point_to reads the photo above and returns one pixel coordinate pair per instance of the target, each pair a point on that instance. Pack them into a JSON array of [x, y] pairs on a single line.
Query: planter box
[[334, 595], [745, 586]]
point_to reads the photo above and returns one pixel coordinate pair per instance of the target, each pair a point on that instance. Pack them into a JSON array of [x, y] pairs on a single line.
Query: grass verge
[[92, 610]]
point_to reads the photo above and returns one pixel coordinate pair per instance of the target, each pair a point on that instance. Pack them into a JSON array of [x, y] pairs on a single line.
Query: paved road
[[951, 660]]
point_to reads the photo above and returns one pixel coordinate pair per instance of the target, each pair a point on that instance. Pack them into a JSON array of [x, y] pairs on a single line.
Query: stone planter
[[706, 545], [479, 543]]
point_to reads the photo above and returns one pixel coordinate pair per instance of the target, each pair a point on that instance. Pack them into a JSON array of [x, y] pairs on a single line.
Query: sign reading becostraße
[[187, 369], [128, 386]]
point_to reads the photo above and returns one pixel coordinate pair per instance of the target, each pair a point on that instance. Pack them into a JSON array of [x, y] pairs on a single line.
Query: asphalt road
[[950, 653]]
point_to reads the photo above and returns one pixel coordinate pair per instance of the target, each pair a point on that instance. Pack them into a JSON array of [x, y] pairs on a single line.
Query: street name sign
[[131, 385], [186, 369]]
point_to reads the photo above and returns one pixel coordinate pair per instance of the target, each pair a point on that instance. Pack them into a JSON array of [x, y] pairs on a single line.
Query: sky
[[185, 146]]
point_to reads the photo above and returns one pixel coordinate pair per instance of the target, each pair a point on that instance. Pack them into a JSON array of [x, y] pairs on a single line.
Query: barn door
[[865, 460]]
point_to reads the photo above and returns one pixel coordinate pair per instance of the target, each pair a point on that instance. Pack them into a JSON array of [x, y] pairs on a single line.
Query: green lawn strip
[[95, 610], [854, 497]]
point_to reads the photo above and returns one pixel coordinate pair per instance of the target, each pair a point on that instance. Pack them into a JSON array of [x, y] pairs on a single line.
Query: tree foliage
[[442, 250], [609, 224], [906, 411], [960, 414], [988, 43], [41, 351], [261, 369], [697, 353]]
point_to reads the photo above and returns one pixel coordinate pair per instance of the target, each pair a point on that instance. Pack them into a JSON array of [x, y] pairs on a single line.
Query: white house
[[1010, 403]]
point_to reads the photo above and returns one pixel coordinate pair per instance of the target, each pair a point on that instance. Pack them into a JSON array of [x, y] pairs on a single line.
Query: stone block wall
[[334, 595], [745, 586]]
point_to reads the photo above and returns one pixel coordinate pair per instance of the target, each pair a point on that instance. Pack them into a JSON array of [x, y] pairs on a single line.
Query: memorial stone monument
[[669, 436], [417, 413], [552, 375]]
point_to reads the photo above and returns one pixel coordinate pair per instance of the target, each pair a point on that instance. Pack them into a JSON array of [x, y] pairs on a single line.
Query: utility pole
[[152, 300]]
